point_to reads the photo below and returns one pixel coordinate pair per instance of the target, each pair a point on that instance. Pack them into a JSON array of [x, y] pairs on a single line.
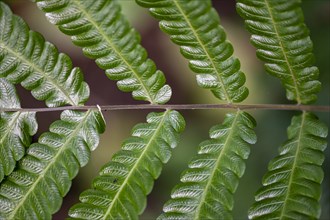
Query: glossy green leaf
[[195, 26], [35, 189], [16, 129], [282, 41], [207, 186], [119, 192], [292, 186], [106, 36], [26, 58]]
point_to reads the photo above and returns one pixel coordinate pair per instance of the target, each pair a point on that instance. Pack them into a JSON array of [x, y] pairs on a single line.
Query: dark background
[[271, 129]]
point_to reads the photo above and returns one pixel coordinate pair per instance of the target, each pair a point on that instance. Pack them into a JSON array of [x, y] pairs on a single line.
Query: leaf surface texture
[[16, 129], [195, 27], [283, 43], [35, 189], [119, 192], [207, 186], [26, 58], [292, 186], [106, 36]]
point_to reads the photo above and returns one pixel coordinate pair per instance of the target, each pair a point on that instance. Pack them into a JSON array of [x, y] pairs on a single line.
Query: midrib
[[54, 160], [217, 164], [106, 38], [10, 127], [294, 166], [228, 99], [41, 71], [134, 168], [292, 74]]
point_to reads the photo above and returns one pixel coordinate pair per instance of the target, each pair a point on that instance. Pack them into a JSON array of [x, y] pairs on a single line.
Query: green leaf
[[195, 26], [292, 186], [119, 192], [282, 41], [207, 186], [8, 95], [26, 58], [16, 129], [43, 177], [106, 36]]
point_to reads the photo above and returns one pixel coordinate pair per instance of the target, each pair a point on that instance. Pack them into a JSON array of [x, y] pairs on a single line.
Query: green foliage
[[282, 41], [120, 189], [34, 177], [207, 186], [106, 36], [34, 190], [194, 25], [26, 58], [16, 129], [292, 185]]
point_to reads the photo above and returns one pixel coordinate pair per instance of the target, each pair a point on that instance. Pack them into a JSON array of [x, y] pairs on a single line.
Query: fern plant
[[36, 175]]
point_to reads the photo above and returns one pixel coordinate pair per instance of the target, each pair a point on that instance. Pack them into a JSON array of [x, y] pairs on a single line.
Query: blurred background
[[271, 125]]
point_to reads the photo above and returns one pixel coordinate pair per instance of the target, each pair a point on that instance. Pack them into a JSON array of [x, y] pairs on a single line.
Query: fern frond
[[43, 176], [26, 58], [282, 41], [16, 129], [119, 192], [207, 186], [194, 25], [292, 186], [105, 35]]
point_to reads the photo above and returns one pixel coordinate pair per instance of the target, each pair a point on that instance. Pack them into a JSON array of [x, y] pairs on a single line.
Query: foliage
[[213, 175], [36, 175], [195, 27], [27, 59], [119, 192], [43, 176], [282, 41], [292, 184], [16, 129], [106, 36]]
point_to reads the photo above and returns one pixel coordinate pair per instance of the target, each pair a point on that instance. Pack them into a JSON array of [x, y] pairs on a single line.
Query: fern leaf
[[207, 186], [105, 35], [16, 129], [194, 25], [26, 58], [292, 186], [282, 41], [43, 177], [119, 191]]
